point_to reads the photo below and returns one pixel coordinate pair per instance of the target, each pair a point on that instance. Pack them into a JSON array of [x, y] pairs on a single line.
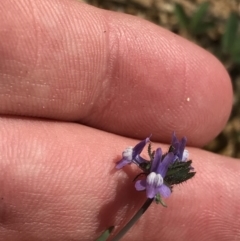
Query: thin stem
[[134, 219]]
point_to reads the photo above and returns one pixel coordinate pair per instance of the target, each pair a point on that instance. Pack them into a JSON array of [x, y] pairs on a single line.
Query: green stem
[[134, 219]]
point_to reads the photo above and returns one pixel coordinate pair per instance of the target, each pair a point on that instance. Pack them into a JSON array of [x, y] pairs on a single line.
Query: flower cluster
[[162, 171]]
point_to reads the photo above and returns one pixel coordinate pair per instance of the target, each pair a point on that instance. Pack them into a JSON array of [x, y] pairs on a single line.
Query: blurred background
[[212, 24]]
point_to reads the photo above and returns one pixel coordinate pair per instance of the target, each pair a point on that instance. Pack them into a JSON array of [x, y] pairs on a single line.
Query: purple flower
[[179, 148], [132, 154], [154, 184]]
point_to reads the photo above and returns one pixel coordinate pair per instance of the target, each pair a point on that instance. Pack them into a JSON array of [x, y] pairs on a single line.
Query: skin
[[77, 86]]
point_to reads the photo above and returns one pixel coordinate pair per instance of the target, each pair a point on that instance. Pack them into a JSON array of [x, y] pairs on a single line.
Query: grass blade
[[229, 36], [181, 16], [198, 16], [204, 27]]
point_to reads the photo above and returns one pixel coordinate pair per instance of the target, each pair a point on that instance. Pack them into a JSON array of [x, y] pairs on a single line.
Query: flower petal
[[156, 160], [182, 147], [185, 155], [139, 147], [123, 162], [151, 191], [140, 185], [163, 166], [179, 146], [174, 140], [138, 160], [164, 190]]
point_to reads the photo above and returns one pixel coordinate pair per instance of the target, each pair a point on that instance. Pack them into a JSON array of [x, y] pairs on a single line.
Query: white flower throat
[[185, 155], [154, 179], [127, 153]]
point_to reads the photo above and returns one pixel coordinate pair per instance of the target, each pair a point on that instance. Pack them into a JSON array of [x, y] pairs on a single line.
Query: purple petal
[[175, 158], [123, 162], [151, 191], [138, 159], [139, 147], [174, 139], [156, 160], [176, 148], [164, 191], [182, 147], [179, 146], [163, 166], [140, 185]]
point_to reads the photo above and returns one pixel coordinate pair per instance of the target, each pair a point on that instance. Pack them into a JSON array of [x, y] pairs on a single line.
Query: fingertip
[[159, 82], [110, 71]]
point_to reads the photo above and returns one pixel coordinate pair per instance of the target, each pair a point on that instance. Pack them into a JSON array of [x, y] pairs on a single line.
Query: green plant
[[195, 24], [230, 41]]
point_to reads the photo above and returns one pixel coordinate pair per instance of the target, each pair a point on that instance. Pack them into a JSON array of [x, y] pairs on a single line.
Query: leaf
[[177, 166], [158, 200], [235, 49], [180, 177], [171, 149], [179, 172], [203, 27], [229, 36], [104, 236], [198, 16], [236, 58], [145, 166], [150, 152], [181, 16]]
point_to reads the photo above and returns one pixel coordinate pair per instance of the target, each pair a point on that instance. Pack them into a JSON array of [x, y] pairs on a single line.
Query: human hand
[[70, 76]]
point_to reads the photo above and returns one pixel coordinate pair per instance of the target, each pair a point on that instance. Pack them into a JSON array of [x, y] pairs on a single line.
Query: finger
[[58, 183], [69, 61]]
